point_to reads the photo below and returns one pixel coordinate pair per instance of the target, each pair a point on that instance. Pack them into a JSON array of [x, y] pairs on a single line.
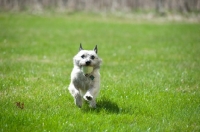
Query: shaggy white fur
[[85, 85]]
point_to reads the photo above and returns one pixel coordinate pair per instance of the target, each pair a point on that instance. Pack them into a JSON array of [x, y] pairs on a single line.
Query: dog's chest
[[84, 82]]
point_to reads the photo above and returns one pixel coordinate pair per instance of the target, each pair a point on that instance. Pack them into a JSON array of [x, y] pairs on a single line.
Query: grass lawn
[[150, 76]]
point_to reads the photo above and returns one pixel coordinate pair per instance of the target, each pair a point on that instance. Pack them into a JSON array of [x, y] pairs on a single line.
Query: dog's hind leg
[[92, 103]]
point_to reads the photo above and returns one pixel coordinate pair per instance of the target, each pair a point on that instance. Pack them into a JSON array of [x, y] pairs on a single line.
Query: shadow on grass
[[104, 106]]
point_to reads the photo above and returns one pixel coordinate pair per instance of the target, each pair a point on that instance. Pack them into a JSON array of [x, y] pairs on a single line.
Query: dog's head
[[87, 58]]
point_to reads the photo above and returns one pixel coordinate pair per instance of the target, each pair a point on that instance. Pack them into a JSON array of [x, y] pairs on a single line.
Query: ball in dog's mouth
[[87, 69]]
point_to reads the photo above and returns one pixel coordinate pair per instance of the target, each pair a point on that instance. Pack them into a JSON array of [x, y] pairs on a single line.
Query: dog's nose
[[88, 63]]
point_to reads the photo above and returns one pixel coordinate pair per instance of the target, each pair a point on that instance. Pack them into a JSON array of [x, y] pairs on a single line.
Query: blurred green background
[[149, 76]]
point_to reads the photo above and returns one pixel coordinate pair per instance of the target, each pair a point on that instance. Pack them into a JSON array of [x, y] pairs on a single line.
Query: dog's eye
[[92, 57], [82, 56]]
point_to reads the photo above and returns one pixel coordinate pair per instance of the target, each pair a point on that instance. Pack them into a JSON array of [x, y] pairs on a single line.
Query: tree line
[[104, 5]]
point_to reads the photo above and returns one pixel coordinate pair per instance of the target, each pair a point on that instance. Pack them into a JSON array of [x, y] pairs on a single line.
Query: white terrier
[[85, 77]]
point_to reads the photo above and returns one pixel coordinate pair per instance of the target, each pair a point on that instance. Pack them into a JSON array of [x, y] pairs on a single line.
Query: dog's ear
[[95, 49], [80, 48]]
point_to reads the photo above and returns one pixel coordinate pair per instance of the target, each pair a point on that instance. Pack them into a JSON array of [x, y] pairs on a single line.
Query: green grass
[[150, 75]]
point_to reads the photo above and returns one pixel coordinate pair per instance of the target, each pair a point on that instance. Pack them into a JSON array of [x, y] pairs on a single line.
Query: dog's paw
[[88, 97]]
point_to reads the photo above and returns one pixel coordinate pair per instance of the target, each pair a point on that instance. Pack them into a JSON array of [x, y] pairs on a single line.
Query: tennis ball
[[87, 69]]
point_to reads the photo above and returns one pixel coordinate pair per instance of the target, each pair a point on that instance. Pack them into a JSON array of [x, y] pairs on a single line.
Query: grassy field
[[150, 74]]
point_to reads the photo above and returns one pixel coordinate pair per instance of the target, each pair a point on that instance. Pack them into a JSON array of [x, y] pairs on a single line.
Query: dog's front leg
[[76, 94], [91, 95], [78, 100], [91, 99]]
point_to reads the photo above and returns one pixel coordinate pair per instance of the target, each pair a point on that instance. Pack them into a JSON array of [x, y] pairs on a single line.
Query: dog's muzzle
[[88, 63]]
